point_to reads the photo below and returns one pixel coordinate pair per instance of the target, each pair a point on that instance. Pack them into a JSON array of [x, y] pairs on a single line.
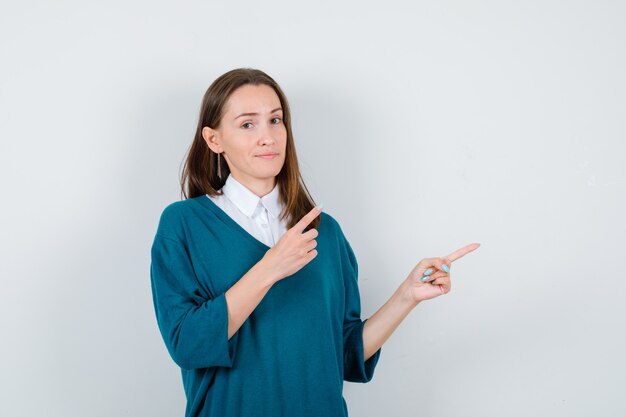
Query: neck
[[260, 187]]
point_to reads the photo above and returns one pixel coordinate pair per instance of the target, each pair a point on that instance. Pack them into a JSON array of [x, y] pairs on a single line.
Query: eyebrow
[[256, 114]]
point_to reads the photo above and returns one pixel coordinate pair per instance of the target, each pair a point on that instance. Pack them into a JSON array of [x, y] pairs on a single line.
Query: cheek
[[240, 153], [283, 138]]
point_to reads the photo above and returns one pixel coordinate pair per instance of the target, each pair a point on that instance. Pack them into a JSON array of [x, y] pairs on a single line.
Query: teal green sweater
[[292, 354]]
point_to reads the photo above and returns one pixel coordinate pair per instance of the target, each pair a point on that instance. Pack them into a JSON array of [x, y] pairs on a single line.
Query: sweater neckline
[[207, 202]]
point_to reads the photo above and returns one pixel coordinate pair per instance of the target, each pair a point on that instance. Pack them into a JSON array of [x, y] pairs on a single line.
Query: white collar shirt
[[259, 216]]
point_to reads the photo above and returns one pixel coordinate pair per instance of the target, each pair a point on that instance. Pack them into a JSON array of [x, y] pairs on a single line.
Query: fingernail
[[428, 271], [320, 206], [445, 268], [424, 279]]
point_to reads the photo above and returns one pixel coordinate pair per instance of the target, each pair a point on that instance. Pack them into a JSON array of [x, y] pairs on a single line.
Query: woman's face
[[251, 127]]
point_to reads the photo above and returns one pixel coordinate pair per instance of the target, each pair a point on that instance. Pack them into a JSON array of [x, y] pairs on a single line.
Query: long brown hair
[[199, 174]]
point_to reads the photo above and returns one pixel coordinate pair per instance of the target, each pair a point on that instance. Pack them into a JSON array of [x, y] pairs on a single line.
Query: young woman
[[254, 287]]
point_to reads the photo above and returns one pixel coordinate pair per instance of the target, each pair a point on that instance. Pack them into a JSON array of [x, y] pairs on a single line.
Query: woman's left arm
[[384, 322], [379, 327]]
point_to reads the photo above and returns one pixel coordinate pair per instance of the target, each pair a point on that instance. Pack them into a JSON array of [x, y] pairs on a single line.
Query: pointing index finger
[[462, 252], [308, 218]]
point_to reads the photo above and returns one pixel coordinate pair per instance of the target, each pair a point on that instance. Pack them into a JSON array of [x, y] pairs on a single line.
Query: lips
[[268, 154]]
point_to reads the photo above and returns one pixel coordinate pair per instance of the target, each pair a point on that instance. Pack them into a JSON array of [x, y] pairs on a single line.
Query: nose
[[267, 136]]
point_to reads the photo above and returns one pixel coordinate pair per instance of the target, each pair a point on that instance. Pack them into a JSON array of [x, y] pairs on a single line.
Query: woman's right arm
[[199, 332], [243, 297], [292, 252]]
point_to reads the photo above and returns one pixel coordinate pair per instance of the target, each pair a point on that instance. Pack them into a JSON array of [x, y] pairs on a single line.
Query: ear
[[211, 137]]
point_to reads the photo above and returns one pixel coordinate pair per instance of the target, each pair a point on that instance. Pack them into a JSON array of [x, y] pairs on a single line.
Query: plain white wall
[[422, 126]]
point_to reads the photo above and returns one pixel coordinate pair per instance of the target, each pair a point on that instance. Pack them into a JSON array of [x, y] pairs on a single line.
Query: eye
[[276, 118], [246, 123]]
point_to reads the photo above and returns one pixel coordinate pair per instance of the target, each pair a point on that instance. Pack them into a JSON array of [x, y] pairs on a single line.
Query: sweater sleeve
[[194, 328], [355, 368]]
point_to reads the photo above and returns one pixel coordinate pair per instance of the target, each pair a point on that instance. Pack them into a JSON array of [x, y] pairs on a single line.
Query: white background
[[422, 127]]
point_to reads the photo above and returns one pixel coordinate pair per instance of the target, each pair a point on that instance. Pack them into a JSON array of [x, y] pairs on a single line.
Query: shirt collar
[[247, 202]]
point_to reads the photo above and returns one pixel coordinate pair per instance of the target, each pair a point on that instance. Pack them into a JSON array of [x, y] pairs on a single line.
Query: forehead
[[252, 98]]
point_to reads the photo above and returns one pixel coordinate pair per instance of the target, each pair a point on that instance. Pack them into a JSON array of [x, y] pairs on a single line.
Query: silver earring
[[219, 171]]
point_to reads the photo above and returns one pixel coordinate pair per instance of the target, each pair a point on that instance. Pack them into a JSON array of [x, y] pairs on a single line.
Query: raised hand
[[431, 276], [294, 249]]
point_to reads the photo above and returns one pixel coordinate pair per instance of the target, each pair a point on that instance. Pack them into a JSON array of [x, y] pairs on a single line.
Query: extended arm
[[379, 327], [384, 322]]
